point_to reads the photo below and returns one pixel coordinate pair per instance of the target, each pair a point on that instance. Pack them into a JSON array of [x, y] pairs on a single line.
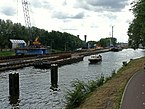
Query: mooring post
[[144, 66], [14, 85], [54, 76], [124, 63]]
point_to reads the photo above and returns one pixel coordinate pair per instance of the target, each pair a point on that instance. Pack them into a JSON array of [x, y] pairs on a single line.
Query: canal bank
[[60, 59], [109, 95]]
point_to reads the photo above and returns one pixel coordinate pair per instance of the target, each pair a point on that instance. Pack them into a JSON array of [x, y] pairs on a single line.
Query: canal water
[[35, 92]]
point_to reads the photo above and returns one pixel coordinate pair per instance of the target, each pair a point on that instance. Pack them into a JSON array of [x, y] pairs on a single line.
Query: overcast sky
[[93, 18]]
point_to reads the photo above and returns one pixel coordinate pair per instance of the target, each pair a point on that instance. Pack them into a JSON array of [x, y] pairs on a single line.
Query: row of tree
[[103, 42], [55, 39], [107, 42], [136, 30]]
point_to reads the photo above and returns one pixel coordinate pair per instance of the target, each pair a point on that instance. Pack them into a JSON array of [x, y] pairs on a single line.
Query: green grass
[[75, 97], [81, 90], [7, 53]]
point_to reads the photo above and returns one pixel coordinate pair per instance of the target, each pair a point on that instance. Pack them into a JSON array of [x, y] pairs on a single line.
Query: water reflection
[[97, 63], [14, 101]]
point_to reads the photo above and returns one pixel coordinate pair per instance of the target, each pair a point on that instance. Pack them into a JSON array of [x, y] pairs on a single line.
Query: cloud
[[102, 5], [111, 16], [94, 26], [65, 15], [64, 3], [58, 9], [79, 15], [68, 29], [8, 11], [91, 17], [40, 4]]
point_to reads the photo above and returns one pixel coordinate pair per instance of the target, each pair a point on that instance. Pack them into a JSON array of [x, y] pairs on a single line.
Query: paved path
[[134, 96]]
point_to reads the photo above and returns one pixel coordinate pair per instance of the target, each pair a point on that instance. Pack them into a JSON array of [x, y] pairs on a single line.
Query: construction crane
[[33, 47], [25, 5]]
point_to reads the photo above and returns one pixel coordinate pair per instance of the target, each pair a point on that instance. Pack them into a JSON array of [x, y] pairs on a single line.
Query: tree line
[[136, 30], [55, 39], [103, 42]]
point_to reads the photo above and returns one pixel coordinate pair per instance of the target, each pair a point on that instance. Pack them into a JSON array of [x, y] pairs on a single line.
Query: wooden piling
[[124, 63], [14, 85], [54, 76]]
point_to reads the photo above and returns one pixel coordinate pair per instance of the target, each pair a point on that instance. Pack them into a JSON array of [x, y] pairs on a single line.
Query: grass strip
[[107, 95]]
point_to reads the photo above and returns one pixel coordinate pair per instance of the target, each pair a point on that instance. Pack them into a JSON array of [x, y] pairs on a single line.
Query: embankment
[[109, 95]]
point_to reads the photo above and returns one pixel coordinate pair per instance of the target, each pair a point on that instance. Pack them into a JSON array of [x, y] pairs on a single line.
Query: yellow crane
[[37, 41]]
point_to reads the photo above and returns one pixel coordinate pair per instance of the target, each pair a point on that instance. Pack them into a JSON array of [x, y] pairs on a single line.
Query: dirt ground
[[109, 95]]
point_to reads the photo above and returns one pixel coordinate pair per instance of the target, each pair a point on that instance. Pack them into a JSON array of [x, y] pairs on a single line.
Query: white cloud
[[93, 18]]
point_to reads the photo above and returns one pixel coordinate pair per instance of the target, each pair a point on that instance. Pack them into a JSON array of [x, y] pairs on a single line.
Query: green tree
[[106, 42], [91, 43], [54, 39], [136, 30]]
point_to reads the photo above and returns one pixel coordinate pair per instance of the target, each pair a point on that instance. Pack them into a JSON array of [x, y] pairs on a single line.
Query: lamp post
[[112, 31]]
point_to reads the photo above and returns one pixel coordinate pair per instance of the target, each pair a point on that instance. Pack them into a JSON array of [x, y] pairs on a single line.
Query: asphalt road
[[134, 96]]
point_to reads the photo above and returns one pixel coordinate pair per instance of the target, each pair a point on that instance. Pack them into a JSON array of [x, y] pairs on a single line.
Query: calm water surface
[[35, 92]]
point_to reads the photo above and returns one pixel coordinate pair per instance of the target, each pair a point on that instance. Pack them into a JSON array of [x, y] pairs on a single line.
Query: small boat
[[95, 58]]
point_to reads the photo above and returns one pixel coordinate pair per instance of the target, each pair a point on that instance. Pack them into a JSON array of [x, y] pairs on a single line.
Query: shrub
[[100, 81], [91, 85], [76, 96]]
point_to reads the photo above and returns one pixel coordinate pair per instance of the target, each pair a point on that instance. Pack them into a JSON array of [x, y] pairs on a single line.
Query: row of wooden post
[[14, 82]]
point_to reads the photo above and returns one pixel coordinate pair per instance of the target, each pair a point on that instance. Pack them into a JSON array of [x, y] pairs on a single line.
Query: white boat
[[95, 58]]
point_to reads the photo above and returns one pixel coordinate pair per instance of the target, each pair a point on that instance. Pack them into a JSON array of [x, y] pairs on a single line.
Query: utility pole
[[112, 31]]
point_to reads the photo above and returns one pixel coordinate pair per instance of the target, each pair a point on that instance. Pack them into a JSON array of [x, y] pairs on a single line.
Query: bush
[[92, 85], [100, 81], [76, 96]]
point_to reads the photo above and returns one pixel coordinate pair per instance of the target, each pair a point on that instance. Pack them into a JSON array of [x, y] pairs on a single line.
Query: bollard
[[54, 76], [144, 66], [124, 63], [14, 85]]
